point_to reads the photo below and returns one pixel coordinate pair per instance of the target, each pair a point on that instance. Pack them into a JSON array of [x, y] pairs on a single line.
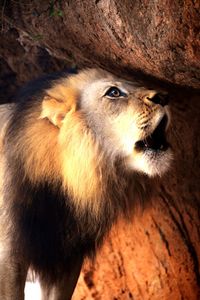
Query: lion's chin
[[151, 162]]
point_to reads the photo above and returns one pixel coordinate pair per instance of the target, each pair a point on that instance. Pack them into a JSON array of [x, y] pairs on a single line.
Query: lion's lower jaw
[[151, 163]]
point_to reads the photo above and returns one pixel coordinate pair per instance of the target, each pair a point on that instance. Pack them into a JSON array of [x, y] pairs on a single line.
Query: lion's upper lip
[[156, 140]]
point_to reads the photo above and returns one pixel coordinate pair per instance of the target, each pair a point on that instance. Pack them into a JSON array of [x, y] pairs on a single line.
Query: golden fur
[[87, 147]]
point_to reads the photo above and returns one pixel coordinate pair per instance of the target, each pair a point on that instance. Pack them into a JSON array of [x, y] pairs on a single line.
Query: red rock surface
[[159, 38]]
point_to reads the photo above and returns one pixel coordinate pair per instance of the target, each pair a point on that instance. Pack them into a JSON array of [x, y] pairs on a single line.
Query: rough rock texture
[[157, 255], [160, 38], [21, 61]]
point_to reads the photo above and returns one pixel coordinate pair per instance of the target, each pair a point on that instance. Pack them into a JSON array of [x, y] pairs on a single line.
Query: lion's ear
[[55, 109]]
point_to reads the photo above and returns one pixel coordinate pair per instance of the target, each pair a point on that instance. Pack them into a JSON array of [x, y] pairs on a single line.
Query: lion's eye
[[114, 92]]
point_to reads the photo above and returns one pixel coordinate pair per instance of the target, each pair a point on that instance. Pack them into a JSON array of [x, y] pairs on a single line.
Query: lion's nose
[[159, 98]]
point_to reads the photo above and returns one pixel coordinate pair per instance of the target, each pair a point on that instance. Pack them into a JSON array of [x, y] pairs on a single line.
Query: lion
[[77, 152]]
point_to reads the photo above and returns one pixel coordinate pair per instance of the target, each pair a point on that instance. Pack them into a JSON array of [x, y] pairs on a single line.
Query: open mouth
[[155, 141]]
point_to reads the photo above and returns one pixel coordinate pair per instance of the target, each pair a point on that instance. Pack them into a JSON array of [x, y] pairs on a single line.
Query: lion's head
[[126, 119], [83, 125]]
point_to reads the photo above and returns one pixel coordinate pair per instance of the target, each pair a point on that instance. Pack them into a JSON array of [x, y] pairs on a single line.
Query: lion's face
[[129, 122]]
